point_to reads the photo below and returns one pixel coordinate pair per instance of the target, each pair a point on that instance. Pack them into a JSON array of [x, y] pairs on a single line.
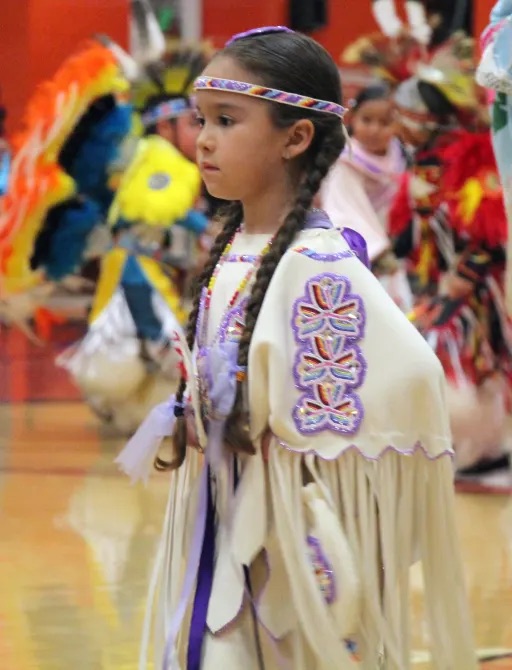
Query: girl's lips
[[208, 167]]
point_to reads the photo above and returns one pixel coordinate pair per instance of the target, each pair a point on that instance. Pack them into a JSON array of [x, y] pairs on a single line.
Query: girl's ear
[[298, 139]]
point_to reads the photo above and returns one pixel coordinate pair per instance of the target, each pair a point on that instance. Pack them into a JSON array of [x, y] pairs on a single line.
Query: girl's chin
[[216, 190]]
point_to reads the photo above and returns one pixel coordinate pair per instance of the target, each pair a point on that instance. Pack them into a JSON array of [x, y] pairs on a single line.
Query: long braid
[[329, 148], [232, 216]]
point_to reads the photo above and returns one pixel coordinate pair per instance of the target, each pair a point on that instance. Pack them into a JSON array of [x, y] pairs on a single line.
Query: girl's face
[[182, 133], [187, 131], [373, 125], [240, 151]]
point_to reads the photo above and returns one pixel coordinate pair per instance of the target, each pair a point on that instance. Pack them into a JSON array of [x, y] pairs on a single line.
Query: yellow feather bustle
[[158, 188]]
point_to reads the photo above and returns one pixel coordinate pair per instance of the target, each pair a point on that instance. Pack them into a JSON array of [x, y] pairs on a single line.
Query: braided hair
[[294, 63]]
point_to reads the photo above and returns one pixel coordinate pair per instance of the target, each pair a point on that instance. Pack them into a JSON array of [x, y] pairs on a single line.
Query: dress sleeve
[[501, 10], [355, 401], [342, 366]]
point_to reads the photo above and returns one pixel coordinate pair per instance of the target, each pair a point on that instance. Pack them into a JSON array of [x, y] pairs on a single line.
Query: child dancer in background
[[362, 185], [319, 408]]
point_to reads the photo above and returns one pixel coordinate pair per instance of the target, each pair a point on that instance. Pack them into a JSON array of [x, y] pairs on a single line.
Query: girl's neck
[[265, 213]]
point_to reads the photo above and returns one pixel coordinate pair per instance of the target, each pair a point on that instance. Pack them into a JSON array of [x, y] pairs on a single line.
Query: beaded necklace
[[206, 296]]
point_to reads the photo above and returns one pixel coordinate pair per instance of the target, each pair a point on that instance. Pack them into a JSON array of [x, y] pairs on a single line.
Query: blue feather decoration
[[61, 244], [98, 148]]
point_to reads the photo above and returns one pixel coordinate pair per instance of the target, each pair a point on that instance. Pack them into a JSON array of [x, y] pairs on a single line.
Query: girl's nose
[[205, 140]]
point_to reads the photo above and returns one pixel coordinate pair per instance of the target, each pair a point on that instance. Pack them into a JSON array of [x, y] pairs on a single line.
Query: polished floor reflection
[[76, 545]]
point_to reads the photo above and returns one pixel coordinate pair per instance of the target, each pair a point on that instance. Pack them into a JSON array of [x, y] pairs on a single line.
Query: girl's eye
[[199, 120], [225, 121]]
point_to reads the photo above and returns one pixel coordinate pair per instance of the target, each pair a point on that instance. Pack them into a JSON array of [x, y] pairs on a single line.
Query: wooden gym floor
[[76, 544]]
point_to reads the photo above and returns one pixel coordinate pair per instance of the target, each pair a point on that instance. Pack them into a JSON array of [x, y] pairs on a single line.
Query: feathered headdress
[[391, 60], [473, 190], [38, 181], [451, 69], [164, 92]]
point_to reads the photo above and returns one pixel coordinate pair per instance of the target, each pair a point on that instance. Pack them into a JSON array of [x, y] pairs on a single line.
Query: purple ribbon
[[193, 563], [318, 219], [203, 589], [218, 366], [358, 245]]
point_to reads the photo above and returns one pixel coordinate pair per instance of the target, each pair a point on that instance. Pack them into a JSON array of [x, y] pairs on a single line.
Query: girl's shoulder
[[321, 241]]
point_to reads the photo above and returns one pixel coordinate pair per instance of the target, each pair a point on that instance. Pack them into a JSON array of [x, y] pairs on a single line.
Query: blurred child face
[[373, 125], [182, 133]]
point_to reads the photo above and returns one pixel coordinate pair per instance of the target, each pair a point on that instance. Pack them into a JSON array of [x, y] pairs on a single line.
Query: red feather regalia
[[401, 212], [472, 191]]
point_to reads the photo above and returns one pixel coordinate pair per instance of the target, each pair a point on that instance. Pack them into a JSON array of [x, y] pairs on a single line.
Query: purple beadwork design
[[232, 325], [322, 569], [328, 258], [274, 95], [241, 258], [328, 322]]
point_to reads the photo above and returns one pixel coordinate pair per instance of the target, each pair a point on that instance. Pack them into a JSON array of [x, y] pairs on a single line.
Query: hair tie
[[179, 409], [241, 374]]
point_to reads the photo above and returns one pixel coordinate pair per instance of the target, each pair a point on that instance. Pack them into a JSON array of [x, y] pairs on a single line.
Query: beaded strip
[[241, 258], [206, 296], [310, 253], [170, 109], [272, 94]]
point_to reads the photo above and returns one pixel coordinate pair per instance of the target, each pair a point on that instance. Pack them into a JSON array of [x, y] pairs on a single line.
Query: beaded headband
[[272, 94], [170, 109]]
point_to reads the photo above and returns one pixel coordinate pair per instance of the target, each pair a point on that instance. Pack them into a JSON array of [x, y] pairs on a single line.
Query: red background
[[36, 35]]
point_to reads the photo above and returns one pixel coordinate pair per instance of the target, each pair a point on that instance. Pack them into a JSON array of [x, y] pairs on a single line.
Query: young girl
[[319, 408], [363, 184]]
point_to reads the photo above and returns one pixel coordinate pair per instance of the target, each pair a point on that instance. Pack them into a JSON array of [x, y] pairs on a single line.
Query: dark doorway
[[450, 16]]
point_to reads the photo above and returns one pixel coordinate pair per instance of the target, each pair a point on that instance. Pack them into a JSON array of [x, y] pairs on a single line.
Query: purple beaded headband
[[272, 94]]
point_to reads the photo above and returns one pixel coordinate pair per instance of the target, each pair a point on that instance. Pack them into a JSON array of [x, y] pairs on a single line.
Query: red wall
[[482, 11], [223, 18], [347, 19], [37, 35], [14, 54]]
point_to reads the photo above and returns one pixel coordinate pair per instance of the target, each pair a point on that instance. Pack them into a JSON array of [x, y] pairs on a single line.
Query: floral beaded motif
[[328, 323]]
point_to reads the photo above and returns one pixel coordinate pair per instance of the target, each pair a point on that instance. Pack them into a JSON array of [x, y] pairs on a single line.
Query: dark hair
[[369, 94], [297, 64], [437, 103]]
